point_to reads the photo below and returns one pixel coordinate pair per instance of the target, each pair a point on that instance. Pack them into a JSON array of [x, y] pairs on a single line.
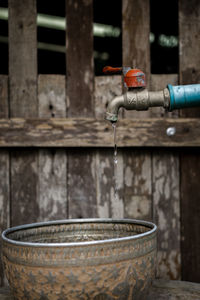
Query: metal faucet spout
[[113, 108], [137, 99]]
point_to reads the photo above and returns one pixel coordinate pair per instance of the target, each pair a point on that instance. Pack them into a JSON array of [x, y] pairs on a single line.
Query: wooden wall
[[63, 168]]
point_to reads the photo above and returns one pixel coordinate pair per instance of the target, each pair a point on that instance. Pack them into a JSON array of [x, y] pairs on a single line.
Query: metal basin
[[80, 259]]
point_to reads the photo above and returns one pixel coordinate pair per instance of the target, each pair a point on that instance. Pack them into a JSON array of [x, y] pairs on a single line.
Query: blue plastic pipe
[[184, 96]]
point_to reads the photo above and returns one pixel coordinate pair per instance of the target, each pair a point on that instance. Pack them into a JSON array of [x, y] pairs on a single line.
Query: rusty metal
[[132, 78], [80, 259]]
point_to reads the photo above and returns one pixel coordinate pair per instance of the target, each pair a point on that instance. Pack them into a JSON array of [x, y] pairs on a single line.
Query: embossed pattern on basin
[[80, 259]]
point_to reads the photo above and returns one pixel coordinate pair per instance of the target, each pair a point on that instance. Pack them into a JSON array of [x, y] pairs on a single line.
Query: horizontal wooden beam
[[88, 132]]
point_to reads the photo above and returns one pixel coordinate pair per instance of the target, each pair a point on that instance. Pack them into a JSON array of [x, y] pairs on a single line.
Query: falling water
[[115, 160]]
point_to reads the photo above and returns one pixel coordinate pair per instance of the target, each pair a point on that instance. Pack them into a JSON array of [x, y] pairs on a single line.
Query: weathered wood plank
[[4, 171], [190, 207], [189, 72], [88, 132], [107, 87], [166, 195], [79, 58], [189, 45], [52, 163], [4, 109], [136, 54], [166, 212], [138, 184], [135, 23], [23, 103], [23, 58], [136, 46], [79, 93]]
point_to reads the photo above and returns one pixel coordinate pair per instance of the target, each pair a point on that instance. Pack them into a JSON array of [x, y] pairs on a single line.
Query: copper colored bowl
[[80, 259]]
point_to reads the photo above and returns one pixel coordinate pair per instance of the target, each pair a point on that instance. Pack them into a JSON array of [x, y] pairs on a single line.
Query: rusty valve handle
[[111, 70], [132, 78]]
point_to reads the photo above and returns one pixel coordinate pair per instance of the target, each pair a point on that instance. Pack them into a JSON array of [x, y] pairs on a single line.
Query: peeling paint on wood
[[166, 196], [52, 164], [136, 54], [52, 190], [80, 92], [88, 132], [106, 88], [24, 176], [137, 188], [51, 96], [23, 103], [136, 46], [166, 213], [104, 181], [117, 201], [79, 57], [81, 184], [23, 58]]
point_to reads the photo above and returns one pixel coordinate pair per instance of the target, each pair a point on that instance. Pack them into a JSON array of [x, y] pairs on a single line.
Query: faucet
[[137, 97]]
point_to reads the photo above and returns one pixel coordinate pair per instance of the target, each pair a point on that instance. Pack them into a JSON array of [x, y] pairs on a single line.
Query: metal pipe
[[137, 99], [172, 97], [182, 96]]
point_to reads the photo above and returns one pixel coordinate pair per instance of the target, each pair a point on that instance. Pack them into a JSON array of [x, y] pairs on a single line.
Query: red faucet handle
[[111, 70], [134, 78]]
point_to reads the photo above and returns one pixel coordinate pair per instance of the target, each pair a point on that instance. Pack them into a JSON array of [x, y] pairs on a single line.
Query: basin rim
[[152, 226]]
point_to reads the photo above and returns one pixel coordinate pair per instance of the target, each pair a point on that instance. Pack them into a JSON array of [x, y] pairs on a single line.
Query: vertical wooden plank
[[189, 59], [136, 53], [107, 206], [52, 164], [79, 93], [4, 171], [136, 46], [166, 196], [140, 167], [79, 58], [190, 208], [23, 103], [166, 212], [4, 110], [136, 29], [138, 192], [23, 58], [189, 68]]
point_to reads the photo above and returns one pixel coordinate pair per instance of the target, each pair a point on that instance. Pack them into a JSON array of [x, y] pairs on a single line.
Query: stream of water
[[115, 160]]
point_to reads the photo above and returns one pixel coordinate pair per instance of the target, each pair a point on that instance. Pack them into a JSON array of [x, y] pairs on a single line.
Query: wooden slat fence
[[56, 151]]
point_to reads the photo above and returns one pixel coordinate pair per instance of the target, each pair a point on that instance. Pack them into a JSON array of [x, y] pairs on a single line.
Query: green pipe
[[59, 23], [182, 96]]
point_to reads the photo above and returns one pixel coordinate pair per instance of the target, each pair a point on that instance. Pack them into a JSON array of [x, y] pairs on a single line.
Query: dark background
[[164, 20]]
